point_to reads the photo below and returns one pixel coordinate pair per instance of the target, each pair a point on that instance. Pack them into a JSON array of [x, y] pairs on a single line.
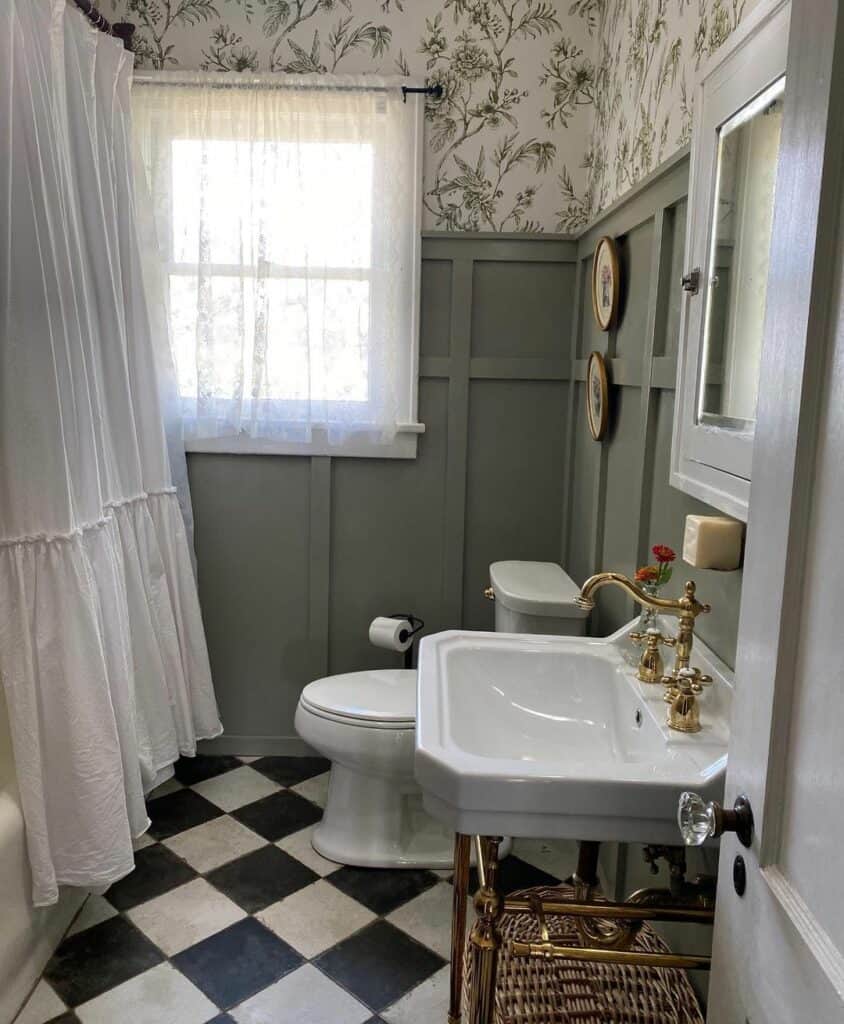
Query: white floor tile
[[236, 788], [95, 910], [41, 1006], [159, 996], [143, 841], [315, 918], [307, 997], [249, 758], [427, 918], [207, 846], [556, 856], [170, 786], [427, 1002], [299, 846], [315, 789], [185, 916]]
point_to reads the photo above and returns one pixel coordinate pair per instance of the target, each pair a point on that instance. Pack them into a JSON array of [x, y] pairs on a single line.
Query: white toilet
[[364, 723]]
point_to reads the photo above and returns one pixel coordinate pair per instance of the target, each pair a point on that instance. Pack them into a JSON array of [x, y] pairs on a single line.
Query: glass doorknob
[[700, 821]]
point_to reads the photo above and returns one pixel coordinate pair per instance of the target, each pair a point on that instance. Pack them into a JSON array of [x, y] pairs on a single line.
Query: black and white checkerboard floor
[[230, 915]]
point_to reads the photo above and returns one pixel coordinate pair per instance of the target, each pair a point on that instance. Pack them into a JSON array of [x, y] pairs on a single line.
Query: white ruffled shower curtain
[[102, 652]]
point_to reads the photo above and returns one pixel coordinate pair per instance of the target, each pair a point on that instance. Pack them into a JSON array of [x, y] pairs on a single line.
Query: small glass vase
[[647, 617]]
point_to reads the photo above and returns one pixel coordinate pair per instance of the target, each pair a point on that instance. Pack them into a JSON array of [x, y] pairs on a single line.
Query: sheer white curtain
[[287, 208], [102, 652]]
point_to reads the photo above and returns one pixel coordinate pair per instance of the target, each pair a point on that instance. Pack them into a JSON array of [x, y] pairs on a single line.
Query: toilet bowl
[[364, 723]]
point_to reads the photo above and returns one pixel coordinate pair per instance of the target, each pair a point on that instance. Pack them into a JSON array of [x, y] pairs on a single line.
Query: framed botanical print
[[597, 395], [605, 282]]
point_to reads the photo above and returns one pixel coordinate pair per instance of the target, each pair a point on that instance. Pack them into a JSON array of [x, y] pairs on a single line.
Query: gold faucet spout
[[686, 608], [685, 605]]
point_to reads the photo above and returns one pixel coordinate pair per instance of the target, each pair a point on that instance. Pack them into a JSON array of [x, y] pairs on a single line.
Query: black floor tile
[[237, 962], [287, 771], [179, 811], [91, 962], [157, 870], [65, 1018], [222, 1018], [278, 815], [261, 878], [379, 964], [382, 889], [513, 874], [190, 770]]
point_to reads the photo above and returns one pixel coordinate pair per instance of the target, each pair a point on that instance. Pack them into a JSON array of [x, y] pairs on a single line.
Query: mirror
[[736, 138], [741, 221]]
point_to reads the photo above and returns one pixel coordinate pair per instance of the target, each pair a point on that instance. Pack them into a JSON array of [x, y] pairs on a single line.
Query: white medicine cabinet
[[735, 146]]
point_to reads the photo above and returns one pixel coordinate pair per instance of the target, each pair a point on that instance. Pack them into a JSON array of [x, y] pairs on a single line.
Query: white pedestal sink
[[553, 737]]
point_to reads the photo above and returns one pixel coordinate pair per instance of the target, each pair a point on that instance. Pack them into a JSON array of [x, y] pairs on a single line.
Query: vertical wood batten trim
[[454, 520], [319, 564], [659, 285], [599, 494], [568, 462], [599, 504]]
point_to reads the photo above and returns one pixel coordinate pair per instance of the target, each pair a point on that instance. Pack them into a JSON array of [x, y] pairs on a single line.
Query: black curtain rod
[[428, 90], [122, 30]]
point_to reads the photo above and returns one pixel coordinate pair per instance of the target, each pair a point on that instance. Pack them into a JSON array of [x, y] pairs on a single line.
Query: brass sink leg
[[587, 863], [485, 935], [462, 850]]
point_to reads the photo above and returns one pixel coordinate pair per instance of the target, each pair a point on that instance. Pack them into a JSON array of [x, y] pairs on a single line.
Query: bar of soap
[[712, 542]]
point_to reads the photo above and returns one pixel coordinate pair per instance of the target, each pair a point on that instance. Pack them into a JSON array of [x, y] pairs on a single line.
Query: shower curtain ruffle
[[107, 683], [102, 652]]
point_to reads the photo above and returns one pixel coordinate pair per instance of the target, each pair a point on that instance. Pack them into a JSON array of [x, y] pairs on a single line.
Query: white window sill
[[403, 446]]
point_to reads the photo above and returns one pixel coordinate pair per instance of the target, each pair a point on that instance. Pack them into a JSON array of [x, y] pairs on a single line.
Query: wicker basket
[[530, 990]]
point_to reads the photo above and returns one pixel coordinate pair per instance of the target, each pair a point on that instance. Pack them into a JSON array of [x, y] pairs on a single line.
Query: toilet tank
[[535, 597]]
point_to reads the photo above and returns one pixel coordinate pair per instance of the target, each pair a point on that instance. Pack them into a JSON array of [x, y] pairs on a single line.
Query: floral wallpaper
[[551, 109], [648, 53], [517, 81]]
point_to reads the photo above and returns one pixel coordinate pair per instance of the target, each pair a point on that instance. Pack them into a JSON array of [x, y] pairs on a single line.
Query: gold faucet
[[683, 714]]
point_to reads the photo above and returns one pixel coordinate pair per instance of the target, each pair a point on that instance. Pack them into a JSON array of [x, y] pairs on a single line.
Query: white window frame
[[360, 445]]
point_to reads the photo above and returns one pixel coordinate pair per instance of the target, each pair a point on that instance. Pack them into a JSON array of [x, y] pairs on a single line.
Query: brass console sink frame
[[490, 906]]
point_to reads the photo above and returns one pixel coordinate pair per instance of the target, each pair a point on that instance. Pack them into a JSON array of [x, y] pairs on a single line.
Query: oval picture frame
[[597, 395], [605, 282]]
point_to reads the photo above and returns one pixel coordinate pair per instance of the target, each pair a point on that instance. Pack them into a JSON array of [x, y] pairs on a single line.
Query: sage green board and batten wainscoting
[[296, 555], [619, 501]]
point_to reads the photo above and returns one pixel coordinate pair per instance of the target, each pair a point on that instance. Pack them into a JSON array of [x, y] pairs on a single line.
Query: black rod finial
[[124, 31], [429, 90]]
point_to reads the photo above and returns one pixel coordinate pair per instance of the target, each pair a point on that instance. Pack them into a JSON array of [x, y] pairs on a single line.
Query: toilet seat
[[365, 724], [376, 699]]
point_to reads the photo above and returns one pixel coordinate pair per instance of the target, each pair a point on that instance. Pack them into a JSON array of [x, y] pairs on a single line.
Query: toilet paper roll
[[391, 634]]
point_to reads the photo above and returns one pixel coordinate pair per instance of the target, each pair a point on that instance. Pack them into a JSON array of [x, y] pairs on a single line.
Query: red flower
[[647, 574], [662, 553]]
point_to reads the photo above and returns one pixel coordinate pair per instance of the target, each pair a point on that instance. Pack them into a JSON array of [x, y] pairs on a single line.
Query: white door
[[779, 949]]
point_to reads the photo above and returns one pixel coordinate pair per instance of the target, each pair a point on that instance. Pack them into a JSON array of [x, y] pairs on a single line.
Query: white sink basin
[[555, 737]]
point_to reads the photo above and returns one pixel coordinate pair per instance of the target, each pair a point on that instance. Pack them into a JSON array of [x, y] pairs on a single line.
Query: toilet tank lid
[[536, 588]]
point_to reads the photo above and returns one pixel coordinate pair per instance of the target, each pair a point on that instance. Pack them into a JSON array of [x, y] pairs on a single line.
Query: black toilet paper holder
[[417, 625]]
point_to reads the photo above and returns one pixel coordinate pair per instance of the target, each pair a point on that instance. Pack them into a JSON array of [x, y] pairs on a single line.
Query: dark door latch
[[691, 281]]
